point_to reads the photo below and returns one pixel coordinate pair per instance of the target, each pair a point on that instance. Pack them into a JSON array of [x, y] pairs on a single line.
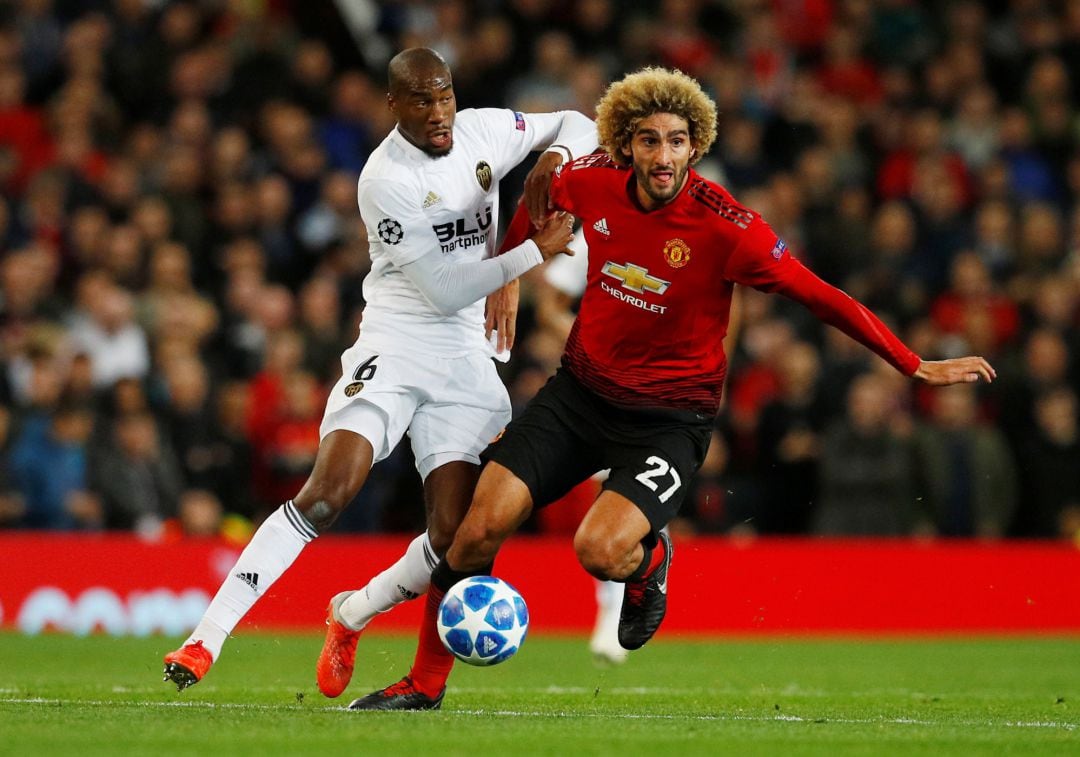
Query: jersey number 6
[[366, 370]]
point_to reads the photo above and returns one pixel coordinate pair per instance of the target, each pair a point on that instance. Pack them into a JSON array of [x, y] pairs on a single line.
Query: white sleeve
[[395, 220], [517, 134], [451, 286]]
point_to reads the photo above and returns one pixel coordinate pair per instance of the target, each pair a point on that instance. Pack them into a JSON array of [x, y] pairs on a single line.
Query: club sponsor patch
[[351, 390], [779, 249], [519, 121], [390, 231]]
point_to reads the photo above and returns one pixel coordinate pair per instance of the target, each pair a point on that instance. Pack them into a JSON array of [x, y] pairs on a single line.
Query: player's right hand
[[957, 370], [537, 198], [555, 234]]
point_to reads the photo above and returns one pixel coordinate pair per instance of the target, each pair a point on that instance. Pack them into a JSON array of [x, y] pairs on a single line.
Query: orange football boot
[[187, 665], [334, 669]]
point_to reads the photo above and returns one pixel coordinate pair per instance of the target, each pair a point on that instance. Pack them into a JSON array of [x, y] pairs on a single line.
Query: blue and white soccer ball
[[483, 620]]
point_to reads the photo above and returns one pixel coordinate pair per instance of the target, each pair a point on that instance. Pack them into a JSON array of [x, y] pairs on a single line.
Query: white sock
[[408, 578], [609, 596], [273, 548]]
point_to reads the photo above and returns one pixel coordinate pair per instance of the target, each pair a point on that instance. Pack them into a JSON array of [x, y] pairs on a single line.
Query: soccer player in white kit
[[428, 196]]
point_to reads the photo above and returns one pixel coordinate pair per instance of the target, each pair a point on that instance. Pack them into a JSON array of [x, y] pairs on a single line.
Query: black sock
[[443, 577], [641, 570]]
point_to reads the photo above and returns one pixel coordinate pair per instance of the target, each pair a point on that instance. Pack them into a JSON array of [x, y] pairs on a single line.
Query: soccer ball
[[483, 620]]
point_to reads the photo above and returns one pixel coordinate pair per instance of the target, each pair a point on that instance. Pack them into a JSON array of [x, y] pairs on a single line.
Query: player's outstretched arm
[[838, 309], [960, 370]]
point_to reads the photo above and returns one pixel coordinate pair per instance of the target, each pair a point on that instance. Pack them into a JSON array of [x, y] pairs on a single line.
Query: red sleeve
[[560, 188], [839, 309], [518, 231], [762, 260], [520, 227]]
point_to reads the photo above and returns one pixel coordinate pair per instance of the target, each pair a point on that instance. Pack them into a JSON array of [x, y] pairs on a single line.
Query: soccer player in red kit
[[641, 376]]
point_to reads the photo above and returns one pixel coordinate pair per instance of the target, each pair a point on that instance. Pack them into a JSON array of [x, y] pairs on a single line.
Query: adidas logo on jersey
[[601, 226], [431, 199], [251, 579]]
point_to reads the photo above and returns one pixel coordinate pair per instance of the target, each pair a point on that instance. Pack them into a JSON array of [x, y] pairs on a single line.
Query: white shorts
[[451, 407]]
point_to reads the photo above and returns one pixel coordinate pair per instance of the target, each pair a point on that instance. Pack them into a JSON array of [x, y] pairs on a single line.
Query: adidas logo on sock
[[251, 579], [601, 226]]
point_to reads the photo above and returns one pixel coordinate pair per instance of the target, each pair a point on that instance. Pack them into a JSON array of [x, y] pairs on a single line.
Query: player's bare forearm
[[537, 184], [501, 315], [960, 370]]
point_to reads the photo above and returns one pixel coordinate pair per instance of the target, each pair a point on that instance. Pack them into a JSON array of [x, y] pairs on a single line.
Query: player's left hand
[[959, 370], [537, 184], [500, 315]]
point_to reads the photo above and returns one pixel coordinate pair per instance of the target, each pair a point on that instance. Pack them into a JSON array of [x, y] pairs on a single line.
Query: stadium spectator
[[105, 329], [12, 505], [966, 471], [319, 324], [288, 444], [1043, 365], [1050, 506], [49, 467], [187, 419], [971, 310], [138, 476], [789, 444], [868, 482]]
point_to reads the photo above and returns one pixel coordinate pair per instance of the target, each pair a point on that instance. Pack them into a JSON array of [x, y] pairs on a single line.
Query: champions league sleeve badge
[[390, 231]]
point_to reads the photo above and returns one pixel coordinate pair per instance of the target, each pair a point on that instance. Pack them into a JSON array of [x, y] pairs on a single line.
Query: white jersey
[[413, 203]]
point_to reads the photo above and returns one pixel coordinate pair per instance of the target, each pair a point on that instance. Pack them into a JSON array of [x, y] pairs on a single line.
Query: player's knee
[[322, 502]]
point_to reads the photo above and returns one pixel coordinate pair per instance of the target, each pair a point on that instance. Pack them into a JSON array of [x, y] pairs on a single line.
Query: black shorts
[[567, 433]]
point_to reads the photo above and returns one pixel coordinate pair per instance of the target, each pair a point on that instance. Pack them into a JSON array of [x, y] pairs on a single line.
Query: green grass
[[102, 695]]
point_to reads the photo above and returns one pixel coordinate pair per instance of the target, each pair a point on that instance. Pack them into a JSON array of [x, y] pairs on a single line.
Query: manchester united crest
[[483, 174], [676, 253]]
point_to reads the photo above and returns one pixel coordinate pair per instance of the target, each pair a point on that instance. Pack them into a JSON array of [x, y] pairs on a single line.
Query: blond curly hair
[[648, 91]]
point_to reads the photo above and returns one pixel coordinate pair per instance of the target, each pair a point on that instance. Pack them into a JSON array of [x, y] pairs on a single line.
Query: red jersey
[[651, 324]]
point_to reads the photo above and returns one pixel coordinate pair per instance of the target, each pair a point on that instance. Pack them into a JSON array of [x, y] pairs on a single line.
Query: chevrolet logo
[[635, 278]]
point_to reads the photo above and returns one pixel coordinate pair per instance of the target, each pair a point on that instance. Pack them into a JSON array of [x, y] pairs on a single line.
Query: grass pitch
[[103, 695]]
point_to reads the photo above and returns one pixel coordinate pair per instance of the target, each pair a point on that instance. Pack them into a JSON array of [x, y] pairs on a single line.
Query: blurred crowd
[[181, 253]]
